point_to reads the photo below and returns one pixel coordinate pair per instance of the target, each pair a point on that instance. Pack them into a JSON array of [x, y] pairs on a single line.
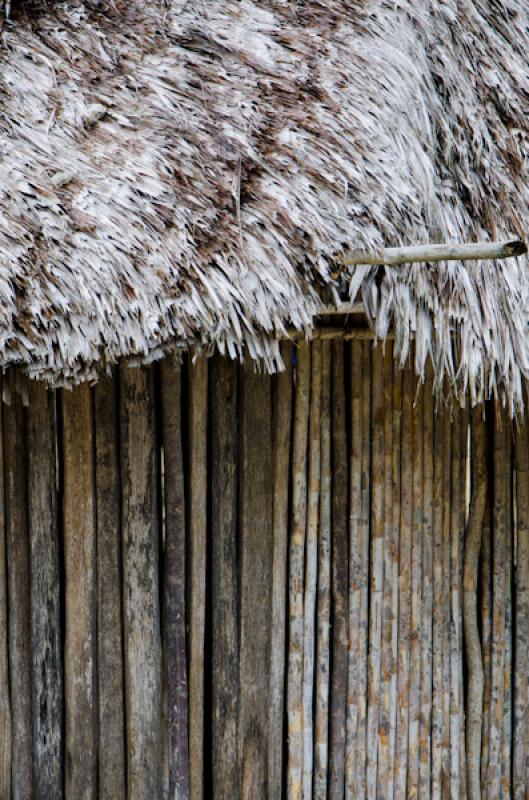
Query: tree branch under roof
[[395, 256]]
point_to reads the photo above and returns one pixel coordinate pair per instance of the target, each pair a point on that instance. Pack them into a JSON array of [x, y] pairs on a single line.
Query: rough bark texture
[[141, 584], [111, 690]]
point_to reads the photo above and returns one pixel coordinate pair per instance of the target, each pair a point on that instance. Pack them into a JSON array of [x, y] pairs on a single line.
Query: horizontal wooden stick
[[395, 256], [347, 334]]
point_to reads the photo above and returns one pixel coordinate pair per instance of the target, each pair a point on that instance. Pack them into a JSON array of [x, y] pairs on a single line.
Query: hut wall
[[218, 584]]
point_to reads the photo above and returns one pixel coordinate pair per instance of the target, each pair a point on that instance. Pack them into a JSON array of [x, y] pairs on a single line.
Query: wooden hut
[[264, 524]]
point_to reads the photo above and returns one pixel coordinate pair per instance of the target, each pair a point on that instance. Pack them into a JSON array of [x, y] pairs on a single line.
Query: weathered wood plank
[[340, 564], [281, 446], [141, 584], [321, 744], [521, 697], [18, 582], [46, 644], [80, 596], [111, 691], [256, 547], [224, 581], [198, 488], [174, 579]]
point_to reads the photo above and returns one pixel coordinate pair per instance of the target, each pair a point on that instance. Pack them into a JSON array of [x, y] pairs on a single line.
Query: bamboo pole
[[506, 757], [362, 644], [395, 543], [321, 745], [472, 251], [473, 542], [405, 548], [174, 579], [80, 597], [438, 616], [296, 576], [425, 719], [311, 567], [377, 572], [141, 591], [498, 613], [256, 547], [355, 573], [464, 498], [521, 697], [486, 639], [455, 607], [198, 519], [111, 727], [281, 445], [224, 582], [340, 547], [46, 645], [416, 597], [389, 611], [447, 494], [5, 705]]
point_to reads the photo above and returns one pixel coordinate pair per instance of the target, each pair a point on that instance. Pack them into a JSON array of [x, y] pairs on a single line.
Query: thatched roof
[[190, 172]]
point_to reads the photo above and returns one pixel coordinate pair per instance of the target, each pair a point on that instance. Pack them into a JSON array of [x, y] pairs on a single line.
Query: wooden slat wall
[[224, 585]]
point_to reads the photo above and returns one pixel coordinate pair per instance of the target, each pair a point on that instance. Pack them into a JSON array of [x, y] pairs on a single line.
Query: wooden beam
[[5, 704], [427, 253]]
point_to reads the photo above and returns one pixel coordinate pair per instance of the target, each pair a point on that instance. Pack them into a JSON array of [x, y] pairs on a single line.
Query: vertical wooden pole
[[5, 705], [521, 697], [224, 581], [355, 567], [389, 611], [456, 778], [321, 754], [174, 579], [506, 757], [311, 567], [473, 542], [80, 603], [416, 597], [464, 499], [256, 547], [296, 575], [447, 493], [339, 577], [140, 532], [111, 691], [198, 483], [395, 516], [427, 590], [46, 643], [486, 638], [281, 445], [405, 549], [498, 611]]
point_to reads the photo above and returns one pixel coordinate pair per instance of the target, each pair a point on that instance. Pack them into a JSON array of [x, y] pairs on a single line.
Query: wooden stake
[[111, 690], [473, 541], [395, 543], [425, 721], [5, 706], [455, 608], [506, 757], [174, 579], [198, 483], [141, 584], [521, 696], [447, 495], [256, 548], [80, 603], [438, 616], [311, 567], [296, 576], [281, 445], [486, 639], [340, 552], [226, 775], [321, 744], [406, 514], [356, 630], [46, 645]]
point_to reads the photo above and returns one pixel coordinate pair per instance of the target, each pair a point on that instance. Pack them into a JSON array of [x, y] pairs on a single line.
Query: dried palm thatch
[[189, 172]]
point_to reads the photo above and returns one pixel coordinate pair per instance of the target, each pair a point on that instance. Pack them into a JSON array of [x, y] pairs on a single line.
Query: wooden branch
[[478, 251]]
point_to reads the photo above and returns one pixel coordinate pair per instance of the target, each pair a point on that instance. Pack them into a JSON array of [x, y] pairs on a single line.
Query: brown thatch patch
[[189, 171]]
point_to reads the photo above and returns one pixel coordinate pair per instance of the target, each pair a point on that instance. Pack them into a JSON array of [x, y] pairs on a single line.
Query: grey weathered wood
[[224, 582], [5, 706], [80, 680], [18, 581], [198, 486], [174, 583], [521, 699], [46, 642], [141, 584], [256, 547], [111, 691], [474, 251], [340, 551], [281, 444]]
